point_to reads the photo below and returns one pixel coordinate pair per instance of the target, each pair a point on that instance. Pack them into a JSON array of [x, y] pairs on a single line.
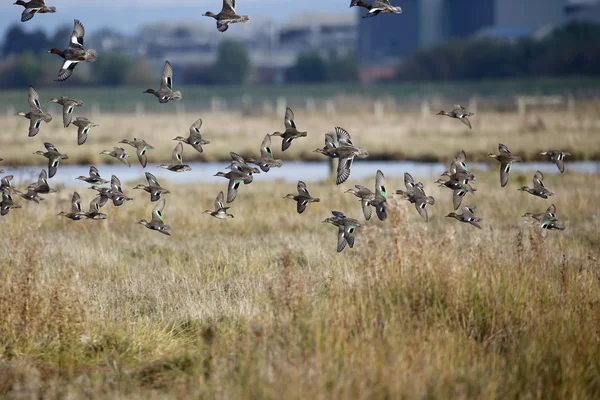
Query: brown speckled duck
[[227, 16]]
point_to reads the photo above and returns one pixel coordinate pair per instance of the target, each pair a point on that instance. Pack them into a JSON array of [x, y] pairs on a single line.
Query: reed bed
[[397, 135], [261, 306]]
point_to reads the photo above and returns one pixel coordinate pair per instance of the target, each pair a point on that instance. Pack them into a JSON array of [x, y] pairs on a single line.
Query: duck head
[[140, 187], [289, 196], [451, 215], [151, 91], [442, 113], [142, 222], [54, 50], [209, 14], [180, 138], [126, 141]]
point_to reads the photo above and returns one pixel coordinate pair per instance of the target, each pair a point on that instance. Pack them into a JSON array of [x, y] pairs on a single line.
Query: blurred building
[[583, 11], [274, 48], [387, 39]]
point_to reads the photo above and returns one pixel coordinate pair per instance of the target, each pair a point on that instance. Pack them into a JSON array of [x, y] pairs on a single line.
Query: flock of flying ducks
[[338, 145]]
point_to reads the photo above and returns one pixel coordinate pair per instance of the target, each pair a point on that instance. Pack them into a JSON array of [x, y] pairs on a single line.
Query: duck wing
[[115, 185], [366, 207], [538, 180], [219, 201], [289, 119], [34, 126], [66, 70], [77, 35], [34, 99], [457, 196], [342, 242], [141, 150], [53, 162], [222, 26], [157, 212], [343, 169], [50, 147], [265, 147], [94, 172], [503, 149], [152, 181], [177, 155], [237, 158], [343, 137], [84, 126], [232, 189], [551, 210], [302, 189], [381, 210], [42, 179], [380, 190], [380, 4], [421, 205], [195, 128], [166, 82], [475, 223], [29, 13], [75, 203], [228, 7], [465, 121], [468, 211], [349, 233], [287, 142], [504, 171], [301, 204], [97, 202], [409, 182], [67, 114], [330, 141]]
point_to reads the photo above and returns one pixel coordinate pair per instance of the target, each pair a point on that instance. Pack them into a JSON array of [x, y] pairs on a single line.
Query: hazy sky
[[128, 15]]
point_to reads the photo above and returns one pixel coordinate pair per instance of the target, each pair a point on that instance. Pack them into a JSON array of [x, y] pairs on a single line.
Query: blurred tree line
[[571, 50], [25, 61], [313, 67]]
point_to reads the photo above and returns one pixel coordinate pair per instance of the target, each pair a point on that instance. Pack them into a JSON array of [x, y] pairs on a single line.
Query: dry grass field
[[261, 306], [398, 135]]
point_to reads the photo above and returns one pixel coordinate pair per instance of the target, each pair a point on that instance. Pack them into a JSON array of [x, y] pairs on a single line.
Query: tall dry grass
[[261, 306], [399, 134]]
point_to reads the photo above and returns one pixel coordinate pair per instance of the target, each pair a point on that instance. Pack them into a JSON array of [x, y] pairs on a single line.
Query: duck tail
[[91, 55], [244, 18], [362, 153], [177, 95]]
